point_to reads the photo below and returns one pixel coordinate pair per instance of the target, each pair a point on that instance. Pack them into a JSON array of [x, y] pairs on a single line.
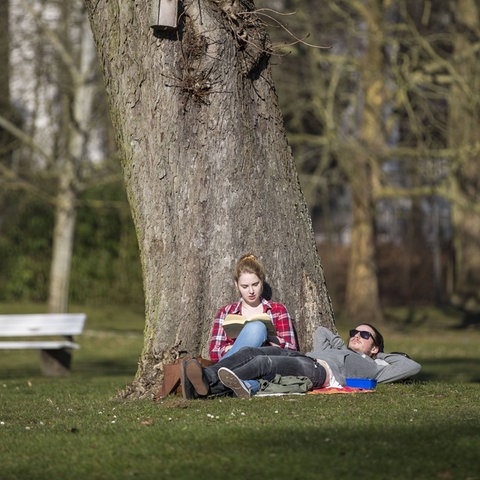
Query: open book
[[233, 324]]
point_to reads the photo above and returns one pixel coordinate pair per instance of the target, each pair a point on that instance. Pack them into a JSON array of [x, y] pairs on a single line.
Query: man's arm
[[325, 339], [397, 367]]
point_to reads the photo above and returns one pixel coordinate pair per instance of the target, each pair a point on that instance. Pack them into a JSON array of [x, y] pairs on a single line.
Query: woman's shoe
[[230, 380], [194, 373]]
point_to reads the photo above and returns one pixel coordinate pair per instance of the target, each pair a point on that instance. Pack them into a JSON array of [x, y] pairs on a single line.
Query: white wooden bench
[[55, 354]]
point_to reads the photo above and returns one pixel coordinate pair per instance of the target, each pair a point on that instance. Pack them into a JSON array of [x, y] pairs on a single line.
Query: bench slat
[[45, 345], [41, 324]]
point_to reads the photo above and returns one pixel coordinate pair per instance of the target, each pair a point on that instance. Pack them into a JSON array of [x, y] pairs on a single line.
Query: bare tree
[[362, 296], [369, 117], [79, 62], [207, 169], [5, 106], [352, 149], [7, 140], [464, 137], [65, 100]]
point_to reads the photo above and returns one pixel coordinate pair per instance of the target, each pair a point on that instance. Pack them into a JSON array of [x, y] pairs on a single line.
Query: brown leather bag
[[171, 377]]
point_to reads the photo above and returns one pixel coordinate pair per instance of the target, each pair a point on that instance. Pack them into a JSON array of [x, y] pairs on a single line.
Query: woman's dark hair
[[378, 337]]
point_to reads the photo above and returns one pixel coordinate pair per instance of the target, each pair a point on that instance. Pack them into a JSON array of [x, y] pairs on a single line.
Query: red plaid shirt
[[280, 318]]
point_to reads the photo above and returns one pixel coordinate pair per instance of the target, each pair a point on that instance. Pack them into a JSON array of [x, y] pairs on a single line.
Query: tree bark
[[208, 171]]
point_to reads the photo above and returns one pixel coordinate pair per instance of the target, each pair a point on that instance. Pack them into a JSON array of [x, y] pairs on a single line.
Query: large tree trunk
[[207, 169]]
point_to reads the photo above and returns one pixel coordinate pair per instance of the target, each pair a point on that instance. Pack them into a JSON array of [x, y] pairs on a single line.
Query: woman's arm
[[219, 342], [284, 326]]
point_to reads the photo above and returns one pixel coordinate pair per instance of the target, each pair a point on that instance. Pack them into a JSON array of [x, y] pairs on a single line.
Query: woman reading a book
[[253, 321]]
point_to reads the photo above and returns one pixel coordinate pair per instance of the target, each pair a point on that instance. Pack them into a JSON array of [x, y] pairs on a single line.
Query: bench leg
[[55, 363]]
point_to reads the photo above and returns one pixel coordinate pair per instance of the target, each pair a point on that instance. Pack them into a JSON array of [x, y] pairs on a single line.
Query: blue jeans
[[251, 364], [253, 334]]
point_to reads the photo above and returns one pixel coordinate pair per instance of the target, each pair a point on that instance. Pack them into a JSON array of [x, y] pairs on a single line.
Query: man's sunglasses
[[363, 333]]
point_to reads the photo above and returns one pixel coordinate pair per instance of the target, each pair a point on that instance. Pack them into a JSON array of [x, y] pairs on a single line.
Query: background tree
[[207, 169], [57, 162], [76, 67], [464, 137], [417, 172], [335, 117], [362, 296], [5, 106], [7, 141]]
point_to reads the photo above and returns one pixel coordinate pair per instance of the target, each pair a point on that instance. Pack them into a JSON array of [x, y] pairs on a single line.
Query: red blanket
[[345, 389]]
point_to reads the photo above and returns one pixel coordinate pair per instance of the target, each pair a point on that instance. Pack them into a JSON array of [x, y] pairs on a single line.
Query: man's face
[[362, 345]]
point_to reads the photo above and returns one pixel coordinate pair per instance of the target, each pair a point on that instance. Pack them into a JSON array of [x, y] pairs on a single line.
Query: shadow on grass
[[448, 450], [98, 368], [446, 317], [351, 451], [469, 320], [107, 368], [449, 370]]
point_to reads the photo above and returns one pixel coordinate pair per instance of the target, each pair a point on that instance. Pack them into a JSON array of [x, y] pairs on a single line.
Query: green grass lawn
[[76, 428]]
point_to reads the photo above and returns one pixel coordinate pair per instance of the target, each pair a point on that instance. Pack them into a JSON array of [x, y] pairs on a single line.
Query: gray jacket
[[345, 363]]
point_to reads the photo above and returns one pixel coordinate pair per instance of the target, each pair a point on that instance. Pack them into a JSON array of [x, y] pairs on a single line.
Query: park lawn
[[77, 428]]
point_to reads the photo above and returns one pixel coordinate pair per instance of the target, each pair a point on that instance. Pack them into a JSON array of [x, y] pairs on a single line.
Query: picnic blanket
[[291, 385], [330, 390]]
